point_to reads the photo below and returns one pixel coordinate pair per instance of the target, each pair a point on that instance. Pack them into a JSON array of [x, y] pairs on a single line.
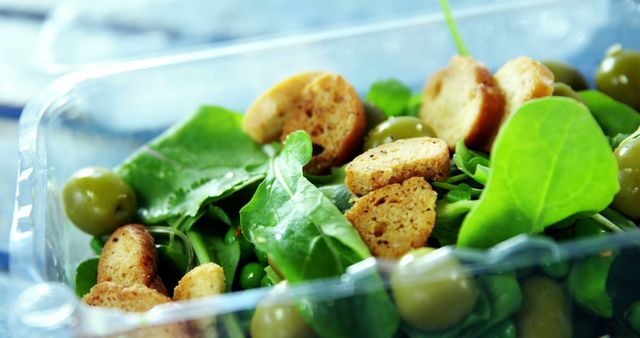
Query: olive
[[567, 74], [633, 316], [396, 128], [251, 275], [97, 200], [619, 75], [545, 311], [628, 198], [433, 293], [246, 248], [262, 257], [275, 317], [374, 116], [562, 89]]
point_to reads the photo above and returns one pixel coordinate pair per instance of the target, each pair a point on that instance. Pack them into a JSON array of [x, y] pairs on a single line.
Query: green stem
[[457, 178], [199, 247], [462, 49], [450, 211], [448, 186], [606, 224]]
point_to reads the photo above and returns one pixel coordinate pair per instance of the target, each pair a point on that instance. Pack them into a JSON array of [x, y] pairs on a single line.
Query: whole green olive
[[562, 89], [276, 318], [619, 75], [546, 310], [97, 200], [567, 74], [433, 293], [396, 128], [627, 201], [251, 275]]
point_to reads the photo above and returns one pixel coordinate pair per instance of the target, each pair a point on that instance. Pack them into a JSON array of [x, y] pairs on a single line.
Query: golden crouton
[[521, 80], [135, 298], [462, 102], [331, 112], [265, 117], [202, 281], [397, 161], [395, 218], [129, 257]]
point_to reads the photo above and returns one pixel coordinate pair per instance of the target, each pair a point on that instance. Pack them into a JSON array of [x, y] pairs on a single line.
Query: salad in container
[[483, 201]]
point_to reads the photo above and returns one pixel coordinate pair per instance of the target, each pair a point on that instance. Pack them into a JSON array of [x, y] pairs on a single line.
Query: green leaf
[[391, 96], [334, 188], [614, 117], [210, 247], [272, 275], [203, 159], [172, 265], [474, 164], [550, 161], [296, 224], [623, 280], [587, 284], [86, 276]]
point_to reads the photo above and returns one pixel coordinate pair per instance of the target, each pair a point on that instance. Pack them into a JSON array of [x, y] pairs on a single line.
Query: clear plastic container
[[99, 116]]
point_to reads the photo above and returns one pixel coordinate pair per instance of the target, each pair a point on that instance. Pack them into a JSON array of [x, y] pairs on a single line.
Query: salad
[[293, 191]]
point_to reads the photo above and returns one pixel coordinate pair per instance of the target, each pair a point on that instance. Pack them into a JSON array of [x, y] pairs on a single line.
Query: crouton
[[129, 257], [462, 102], [521, 80], [202, 281], [135, 298], [397, 161], [331, 112], [265, 117], [395, 218]]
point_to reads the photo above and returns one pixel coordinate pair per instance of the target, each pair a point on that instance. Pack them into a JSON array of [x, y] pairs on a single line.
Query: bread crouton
[[265, 117], [462, 102], [397, 161], [331, 112], [202, 281], [135, 298], [129, 257], [520, 80], [395, 218]]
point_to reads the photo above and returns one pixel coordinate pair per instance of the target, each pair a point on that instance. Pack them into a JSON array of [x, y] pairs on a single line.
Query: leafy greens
[[548, 153]]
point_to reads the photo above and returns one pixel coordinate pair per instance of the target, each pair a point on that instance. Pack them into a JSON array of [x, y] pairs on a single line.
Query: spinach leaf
[[474, 164], [623, 280], [550, 161], [86, 276], [288, 217], [390, 96], [172, 265], [613, 117], [449, 217], [210, 247], [272, 275], [334, 188], [201, 160]]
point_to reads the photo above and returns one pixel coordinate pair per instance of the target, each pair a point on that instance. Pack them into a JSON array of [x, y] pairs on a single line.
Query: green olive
[[396, 128], [275, 317], [565, 73], [628, 198], [433, 293], [97, 200], [546, 310], [251, 275], [374, 116], [562, 89], [619, 75]]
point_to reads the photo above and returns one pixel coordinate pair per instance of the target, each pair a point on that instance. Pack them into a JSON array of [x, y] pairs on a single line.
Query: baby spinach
[[288, 217], [209, 246], [613, 117], [86, 276], [391, 96], [473, 163], [201, 160], [550, 161], [587, 283]]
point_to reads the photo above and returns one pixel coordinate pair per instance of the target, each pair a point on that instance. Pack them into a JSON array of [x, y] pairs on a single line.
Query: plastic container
[[98, 117]]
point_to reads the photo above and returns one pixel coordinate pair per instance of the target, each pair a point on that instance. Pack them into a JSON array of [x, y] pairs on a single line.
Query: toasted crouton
[[331, 112], [129, 257], [265, 117], [397, 161], [395, 218], [202, 281], [462, 102], [135, 298], [132, 298], [521, 79]]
